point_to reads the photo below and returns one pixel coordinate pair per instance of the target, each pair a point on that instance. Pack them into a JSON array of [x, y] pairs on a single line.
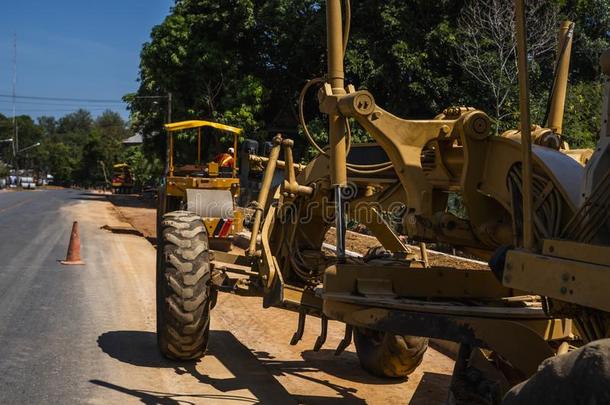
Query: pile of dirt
[[360, 244], [142, 215], [138, 212]]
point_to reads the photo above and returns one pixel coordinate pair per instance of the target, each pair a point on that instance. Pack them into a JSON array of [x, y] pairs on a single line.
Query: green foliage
[[582, 114], [319, 132], [74, 149], [591, 36], [61, 160], [243, 62], [48, 125], [4, 170], [198, 54], [145, 171], [243, 104], [318, 129], [487, 52], [79, 122]]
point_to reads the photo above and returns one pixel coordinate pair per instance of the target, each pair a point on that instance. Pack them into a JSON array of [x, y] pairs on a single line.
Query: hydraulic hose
[[352, 167]]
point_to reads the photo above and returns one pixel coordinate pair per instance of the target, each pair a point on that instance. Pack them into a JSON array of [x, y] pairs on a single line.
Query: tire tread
[[183, 291]]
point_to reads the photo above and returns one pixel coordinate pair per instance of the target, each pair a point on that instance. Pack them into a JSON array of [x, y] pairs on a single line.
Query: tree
[[28, 133], [582, 114], [198, 54], [145, 170], [112, 125], [487, 46], [59, 159], [79, 122], [244, 62], [48, 125], [4, 171], [591, 37], [6, 132], [103, 144], [584, 98]]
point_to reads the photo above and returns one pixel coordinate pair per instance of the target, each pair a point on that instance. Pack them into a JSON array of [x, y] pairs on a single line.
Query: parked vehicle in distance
[[27, 183]]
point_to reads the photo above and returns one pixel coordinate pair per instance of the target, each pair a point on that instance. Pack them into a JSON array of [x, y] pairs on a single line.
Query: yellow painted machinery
[[514, 194], [122, 181], [208, 189], [571, 271]]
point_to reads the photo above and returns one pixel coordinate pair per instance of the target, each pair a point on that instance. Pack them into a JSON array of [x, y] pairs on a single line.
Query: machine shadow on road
[[139, 348], [90, 197], [131, 200], [168, 398], [118, 200], [346, 366], [430, 382]]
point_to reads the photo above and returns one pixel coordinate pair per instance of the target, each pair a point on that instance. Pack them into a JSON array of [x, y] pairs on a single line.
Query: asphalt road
[[36, 297], [85, 334]]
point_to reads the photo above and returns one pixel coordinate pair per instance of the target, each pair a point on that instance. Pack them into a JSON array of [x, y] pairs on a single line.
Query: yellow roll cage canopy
[[198, 124], [182, 125]]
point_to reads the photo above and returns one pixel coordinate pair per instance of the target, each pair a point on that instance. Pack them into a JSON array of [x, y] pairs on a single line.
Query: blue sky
[[79, 49]]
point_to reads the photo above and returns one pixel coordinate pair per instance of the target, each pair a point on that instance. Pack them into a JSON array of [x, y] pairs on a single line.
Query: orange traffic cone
[[73, 256]]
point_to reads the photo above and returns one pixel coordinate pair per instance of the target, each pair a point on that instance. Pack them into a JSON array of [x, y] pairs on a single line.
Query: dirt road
[[86, 334], [308, 376]]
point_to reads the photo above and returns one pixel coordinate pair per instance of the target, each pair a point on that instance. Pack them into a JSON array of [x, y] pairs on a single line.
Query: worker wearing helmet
[[226, 159]]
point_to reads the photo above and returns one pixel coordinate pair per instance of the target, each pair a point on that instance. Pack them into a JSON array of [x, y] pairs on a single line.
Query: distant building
[[133, 141]]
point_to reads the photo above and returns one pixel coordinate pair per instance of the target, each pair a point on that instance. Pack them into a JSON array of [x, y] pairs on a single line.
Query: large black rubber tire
[[183, 290], [389, 356]]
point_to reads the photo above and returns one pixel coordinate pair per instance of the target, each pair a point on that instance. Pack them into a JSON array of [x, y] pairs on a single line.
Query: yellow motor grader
[[122, 181], [210, 189], [517, 197]]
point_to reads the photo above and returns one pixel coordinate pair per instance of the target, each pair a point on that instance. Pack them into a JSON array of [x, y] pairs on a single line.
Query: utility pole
[[15, 147], [15, 136]]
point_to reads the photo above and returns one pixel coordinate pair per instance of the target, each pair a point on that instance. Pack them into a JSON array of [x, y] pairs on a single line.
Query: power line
[[49, 104], [64, 110], [78, 100], [155, 97]]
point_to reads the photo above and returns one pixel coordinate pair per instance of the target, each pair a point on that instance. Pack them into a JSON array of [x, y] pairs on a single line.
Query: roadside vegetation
[[75, 149]]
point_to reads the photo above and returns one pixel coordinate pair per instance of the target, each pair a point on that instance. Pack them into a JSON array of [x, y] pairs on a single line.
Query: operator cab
[[215, 158]]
